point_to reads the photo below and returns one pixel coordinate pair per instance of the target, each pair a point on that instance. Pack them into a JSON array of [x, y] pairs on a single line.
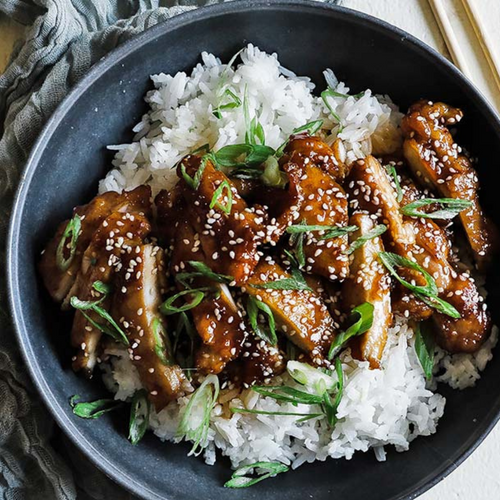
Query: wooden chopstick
[[484, 40], [449, 37]]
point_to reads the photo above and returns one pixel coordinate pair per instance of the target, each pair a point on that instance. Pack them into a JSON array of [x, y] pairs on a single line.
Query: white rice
[[389, 406]]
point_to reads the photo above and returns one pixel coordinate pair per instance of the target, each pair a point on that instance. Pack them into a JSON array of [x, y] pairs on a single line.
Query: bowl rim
[[106, 63]]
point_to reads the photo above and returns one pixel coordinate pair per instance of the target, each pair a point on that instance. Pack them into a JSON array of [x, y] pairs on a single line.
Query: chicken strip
[[436, 159], [61, 260], [229, 238], [136, 305], [118, 234], [368, 281], [300, 314], [217, 318]]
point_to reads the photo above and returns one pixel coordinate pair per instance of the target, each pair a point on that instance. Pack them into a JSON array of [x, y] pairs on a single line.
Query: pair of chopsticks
[[454, 47]]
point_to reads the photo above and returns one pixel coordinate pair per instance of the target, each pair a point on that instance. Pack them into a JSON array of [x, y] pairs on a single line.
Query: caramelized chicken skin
[[59, 279], [437, 160], [369, 282]]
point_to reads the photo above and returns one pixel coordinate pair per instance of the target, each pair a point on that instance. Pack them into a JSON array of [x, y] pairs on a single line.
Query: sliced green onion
[[334, 93], [364, 321], [272, 175], [425, 349], [93, 409], [71, 232], [331, 231], [232, 102], [297, 240], [311, 127], [324, 96], [224, 191], [427, 293], [112, 328], [246, 173], [391, 170], [194, 427], [373, 233], [201, 269], [392, 260], [440, 305], [296, 282], [194, 182], [288, 394], [453, 207], [139, 416], [306, 416], [197, 295], [239, 479], [101, 287], [307, 375], [331, 407], [236, 155], [253, 307], [162, 348]]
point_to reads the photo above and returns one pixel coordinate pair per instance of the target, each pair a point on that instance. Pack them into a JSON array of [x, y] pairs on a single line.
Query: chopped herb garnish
[[305, 416], [330, 231], [194, 182], [195, 420], [163, 349], [297, 240], [427, 293], [440, 305], [246, 173], [305, 374], [373, 233], [197, 295], [67, 244], [296, 282], [452, 208], [392, 260], [201, 269], [391, 170], [229, 100], [324, 96], [255, 305], [139, 416], [111, 327], [240, 478], [288, 394], [272, 175], [425, 348], [330, 407], [238, 155], [363, 315], [311, 127], [223, 191], [254, 130], [93, 409]]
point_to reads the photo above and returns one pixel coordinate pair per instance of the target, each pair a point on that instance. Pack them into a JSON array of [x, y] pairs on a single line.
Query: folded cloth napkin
[[63, 39]]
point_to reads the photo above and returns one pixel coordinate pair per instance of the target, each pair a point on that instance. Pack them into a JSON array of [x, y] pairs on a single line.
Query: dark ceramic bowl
[[70, 157]]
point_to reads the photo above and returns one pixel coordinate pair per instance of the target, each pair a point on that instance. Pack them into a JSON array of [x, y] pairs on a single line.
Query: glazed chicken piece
[[136, 304], [228, 240], [437, 160], [119, 233], [470, 331], [325, 203], [303, 150], [217, 318], [59, 274], [368, 281], [370, 189], [259, 363], [300, 314]]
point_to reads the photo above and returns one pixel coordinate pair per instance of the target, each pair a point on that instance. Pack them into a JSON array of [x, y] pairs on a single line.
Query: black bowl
[[70, 157]]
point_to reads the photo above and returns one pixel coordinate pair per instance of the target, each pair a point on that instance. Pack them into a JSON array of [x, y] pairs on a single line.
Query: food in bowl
[[276, 275]]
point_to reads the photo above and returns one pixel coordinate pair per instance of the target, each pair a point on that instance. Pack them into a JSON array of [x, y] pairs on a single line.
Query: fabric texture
[[63, 39]]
